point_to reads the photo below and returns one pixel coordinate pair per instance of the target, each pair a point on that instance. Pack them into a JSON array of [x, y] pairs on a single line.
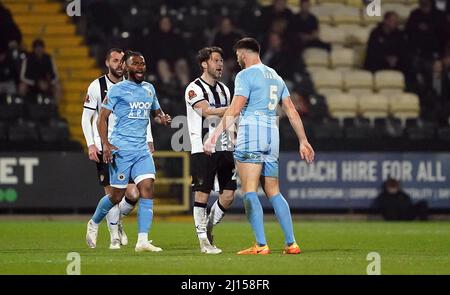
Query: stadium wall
[[67, 181]]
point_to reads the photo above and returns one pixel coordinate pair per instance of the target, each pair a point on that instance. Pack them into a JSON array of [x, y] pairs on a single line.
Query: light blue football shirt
[[264, 89], [131, 103]]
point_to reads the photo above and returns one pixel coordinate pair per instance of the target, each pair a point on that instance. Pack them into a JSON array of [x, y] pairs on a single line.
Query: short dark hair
[[38, 43], [389, 13], [205, 53], [130, 53], [247, 43], [114, 49]]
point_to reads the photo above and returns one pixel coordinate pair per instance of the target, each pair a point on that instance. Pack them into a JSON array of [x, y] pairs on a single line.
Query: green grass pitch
[[341, 247]]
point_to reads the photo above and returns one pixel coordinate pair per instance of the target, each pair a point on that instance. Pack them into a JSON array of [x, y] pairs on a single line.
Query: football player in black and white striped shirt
[[206, 101], [91, 108]]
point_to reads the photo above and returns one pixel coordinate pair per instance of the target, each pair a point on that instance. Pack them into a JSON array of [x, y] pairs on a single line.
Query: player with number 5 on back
[[258, 90]]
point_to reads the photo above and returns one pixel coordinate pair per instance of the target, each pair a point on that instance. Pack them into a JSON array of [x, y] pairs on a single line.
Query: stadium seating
[[342, 106], [41, 108], [444, 133], [23, 131], [373, 106], [389, 81], [11, 107], [342, 59], [315, 57], [358, 128], [328, 79], [404, 106], [3, 132], [358, 80], [55, 131], [328, 129], [334, 35], [346, 15]]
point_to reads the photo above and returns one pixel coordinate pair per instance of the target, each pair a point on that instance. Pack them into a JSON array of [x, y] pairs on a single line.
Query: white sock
[[142, 237], [216, 215], [93, 223], [200, 220], [112, 218], [125, 207]]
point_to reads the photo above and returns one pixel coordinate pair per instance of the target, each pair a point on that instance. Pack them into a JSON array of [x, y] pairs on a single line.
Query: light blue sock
[[255, 216], [145, 215], [283, 214], [103, 208]]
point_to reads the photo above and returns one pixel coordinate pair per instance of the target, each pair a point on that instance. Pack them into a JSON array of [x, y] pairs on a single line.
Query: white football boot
[[207, 248], [122, 235], [146, 247], [115, 239], [91, 234]]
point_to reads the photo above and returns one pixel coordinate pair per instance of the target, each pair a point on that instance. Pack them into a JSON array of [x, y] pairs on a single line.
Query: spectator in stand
[[279, 13], [425, 29], [278, 57], [166, 45], [394, 204], [9, 32], [304, 28], [436, 102], [225, 38], [386, 48], [7, 71], [38, 73], [168, 83]]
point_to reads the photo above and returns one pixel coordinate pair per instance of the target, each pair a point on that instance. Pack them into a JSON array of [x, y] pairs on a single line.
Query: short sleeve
[[241, 84], [155, 104], [285, 92], [111, 98], [193, 95], [92, 96]]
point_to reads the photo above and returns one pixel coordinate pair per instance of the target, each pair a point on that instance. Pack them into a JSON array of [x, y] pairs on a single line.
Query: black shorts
[[204, 169], [102, 171]]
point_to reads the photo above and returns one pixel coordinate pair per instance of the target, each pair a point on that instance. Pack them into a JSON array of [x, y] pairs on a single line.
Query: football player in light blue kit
[[132, 102], [258, 90]]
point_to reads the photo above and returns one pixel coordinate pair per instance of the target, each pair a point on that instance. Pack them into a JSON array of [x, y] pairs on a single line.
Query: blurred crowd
[[25, 73], [169, 34]]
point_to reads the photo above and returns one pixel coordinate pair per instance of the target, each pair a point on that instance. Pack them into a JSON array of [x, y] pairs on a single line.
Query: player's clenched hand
[[151, 147], [306, 152], [209, 145], [164, 119], [107, 152], [93, 153]]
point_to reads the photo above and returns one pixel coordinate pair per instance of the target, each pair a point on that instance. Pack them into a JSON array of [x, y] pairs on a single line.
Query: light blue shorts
[[259, 144], [134, 165], [269, 163]]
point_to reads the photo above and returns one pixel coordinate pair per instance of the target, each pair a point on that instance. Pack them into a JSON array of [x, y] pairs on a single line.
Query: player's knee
[[116, 196], [227, 198], [146, 191], [132, 194]]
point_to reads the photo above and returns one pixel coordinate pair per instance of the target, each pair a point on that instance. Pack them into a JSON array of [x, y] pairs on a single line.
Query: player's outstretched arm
[[228, 119], [102, 125], [205, 110], [88, 132], [306, 150]]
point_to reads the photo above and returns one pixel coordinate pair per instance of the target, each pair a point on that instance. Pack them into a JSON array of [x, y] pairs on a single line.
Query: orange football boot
[[292, 249], [254, 250]]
